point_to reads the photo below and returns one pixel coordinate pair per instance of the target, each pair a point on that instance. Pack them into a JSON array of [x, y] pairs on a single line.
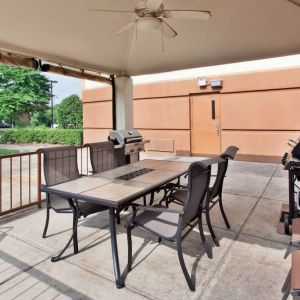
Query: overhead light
[[148, 23], [202, 82], [216, 83], [297, 2]]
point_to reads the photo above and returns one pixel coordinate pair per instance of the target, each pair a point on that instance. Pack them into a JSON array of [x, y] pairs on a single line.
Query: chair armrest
[[174, 186], [157, 209], [43, 187]]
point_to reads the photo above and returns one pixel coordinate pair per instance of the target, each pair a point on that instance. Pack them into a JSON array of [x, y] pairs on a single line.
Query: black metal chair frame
[[214, 195], [178, 238], [72, 205]]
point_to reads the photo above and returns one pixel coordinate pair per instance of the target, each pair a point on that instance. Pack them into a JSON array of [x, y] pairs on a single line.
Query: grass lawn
[[8, 151]]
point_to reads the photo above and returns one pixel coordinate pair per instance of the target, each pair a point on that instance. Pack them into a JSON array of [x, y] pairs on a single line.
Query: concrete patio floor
[[249, 264]]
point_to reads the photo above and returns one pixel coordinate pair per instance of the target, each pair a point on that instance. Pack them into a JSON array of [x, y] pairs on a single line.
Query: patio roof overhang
[[67, 32]]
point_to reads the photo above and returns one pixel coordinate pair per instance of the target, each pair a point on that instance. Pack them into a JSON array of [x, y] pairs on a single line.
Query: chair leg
[[288, 251], [285, 295], [129, 243], [204, 242], [223, 212], [167, 202], [151, 199], [287, 281], [287, 286], [183, 266], [212, 233], [73, 237], [47, 217], [118, 218], [144, 200]]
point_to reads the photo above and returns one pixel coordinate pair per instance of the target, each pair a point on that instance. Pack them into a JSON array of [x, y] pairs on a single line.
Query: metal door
[[205, 124]]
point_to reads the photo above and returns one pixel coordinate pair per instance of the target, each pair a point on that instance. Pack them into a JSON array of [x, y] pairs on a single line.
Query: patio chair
[[169, 224], [102, 156], [60, 165], [214, 195], [216, 191]]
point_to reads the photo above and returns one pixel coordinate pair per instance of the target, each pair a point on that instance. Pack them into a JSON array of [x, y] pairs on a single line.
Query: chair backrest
[[198, 183], [229, 153], [102, 156], [60, 164]]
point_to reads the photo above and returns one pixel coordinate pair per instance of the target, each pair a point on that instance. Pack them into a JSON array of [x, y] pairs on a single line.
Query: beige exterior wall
[[162, 113], [258, 113]]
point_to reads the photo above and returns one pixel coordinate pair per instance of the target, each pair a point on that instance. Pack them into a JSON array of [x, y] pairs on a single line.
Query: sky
[[64, 87]]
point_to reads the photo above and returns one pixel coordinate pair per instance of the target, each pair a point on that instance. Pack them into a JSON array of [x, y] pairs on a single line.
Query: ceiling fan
[[151, 15]]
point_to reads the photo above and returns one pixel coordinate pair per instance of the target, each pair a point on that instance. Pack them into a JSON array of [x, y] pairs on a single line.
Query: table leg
[[114, 248]]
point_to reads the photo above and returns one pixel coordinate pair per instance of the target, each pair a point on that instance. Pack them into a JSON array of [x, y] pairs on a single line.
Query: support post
[[114, 117], [123, 102]]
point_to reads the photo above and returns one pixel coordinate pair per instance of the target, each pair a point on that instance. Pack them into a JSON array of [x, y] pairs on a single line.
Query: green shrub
[[42, 135], [69, 112]]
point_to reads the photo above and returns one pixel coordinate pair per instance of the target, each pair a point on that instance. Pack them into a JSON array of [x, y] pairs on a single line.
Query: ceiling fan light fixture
[[148, 23]]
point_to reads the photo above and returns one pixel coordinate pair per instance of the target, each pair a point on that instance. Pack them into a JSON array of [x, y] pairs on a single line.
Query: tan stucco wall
[[258, 112]]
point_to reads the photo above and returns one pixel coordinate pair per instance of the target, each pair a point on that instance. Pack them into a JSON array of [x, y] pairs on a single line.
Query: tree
[[42, 118], [22, 91], [69, 112]]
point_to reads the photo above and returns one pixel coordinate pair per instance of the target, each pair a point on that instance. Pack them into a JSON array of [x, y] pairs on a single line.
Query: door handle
[[213, 109]]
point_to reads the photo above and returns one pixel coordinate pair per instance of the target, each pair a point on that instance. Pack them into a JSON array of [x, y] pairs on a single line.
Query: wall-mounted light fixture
[[202, 82], [214, 83]]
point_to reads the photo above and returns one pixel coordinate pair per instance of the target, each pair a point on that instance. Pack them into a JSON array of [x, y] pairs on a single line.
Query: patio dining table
[[119, 187]]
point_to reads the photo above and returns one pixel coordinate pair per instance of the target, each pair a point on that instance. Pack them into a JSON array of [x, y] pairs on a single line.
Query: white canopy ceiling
[[67, 32]]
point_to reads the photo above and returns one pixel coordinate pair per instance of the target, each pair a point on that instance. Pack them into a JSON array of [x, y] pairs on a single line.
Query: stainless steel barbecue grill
[[128, 143]]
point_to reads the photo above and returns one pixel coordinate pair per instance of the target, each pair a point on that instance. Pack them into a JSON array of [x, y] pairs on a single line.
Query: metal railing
[[21, 176]]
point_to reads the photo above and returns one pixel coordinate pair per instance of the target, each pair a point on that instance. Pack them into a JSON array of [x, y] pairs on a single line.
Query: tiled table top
[[105, 188]]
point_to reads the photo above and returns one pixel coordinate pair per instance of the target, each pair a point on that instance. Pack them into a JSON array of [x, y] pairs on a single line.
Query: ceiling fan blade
[[125, 28], [187, 14], [167, 30], [113, 11], [150, 4], [296, 2]]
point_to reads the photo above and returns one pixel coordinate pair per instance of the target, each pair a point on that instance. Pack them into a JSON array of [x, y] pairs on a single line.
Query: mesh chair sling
[[60, 165], [214, 194], [169, 224], [102, 156]]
